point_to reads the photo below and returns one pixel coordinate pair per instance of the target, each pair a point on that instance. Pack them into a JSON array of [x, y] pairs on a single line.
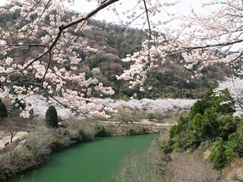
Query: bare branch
[[147, 15]]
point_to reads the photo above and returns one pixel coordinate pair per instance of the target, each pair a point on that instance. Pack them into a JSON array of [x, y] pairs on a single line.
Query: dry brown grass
[[233, 172], [146, 167], [190, 167]]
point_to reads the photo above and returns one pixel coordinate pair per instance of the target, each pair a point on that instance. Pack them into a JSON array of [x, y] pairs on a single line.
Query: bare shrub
[[38, 142], [17, 159], [12, 125], [233, 172], [124, 114], [78, 130], [74, 123], [144, 167], [190, 167], [87, 126]]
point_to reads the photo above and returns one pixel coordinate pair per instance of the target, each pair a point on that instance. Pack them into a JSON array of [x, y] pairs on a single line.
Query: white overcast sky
[[83, 6], [183, 7]]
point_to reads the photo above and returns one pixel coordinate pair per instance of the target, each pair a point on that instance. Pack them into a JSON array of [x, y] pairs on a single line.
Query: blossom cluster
[[200, 40], [47, 45], [235, 88]]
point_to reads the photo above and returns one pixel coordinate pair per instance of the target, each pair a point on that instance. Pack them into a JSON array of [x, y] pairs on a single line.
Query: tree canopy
[[210, 125], [201, 40]]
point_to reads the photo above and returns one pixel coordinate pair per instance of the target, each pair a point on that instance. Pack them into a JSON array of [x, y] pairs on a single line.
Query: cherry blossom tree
[[201, 40], [235, 87], [56, 42]]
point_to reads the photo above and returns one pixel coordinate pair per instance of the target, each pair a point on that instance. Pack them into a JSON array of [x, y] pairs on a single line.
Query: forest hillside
[[114, 42]]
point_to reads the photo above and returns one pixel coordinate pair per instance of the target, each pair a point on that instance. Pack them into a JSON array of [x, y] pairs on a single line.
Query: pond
[[94, 161]]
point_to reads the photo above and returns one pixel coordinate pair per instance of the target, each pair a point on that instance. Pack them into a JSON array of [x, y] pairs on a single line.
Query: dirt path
[[142, 122], [117, 128]]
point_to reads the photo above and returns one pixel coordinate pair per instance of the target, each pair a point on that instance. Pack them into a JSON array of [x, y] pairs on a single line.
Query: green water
[[94, 161]]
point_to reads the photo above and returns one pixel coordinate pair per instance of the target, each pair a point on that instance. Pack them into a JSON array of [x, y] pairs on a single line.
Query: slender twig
[[45, 8], [207, 46], [75, 34], [33, 7], [9, 33]]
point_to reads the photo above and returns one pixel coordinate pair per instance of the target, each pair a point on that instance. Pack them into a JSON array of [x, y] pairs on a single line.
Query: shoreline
[[22, 144]]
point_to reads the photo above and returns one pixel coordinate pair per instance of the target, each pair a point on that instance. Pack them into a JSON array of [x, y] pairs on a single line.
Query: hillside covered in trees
[[113, 42]]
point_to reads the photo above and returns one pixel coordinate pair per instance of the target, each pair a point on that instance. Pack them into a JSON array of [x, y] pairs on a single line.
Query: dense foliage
[[210, 125], [101, 131], [3, 110], [51, 118]]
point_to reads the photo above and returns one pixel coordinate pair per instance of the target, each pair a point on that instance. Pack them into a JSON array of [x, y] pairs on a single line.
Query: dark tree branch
[[147, 16]]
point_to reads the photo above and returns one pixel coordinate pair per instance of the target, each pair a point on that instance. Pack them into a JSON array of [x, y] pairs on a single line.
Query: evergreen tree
[[212, 125], [51, 119], [3, 110]]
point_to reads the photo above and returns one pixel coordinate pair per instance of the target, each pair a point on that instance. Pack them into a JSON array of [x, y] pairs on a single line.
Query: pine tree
[[51, 119], [3, 110]]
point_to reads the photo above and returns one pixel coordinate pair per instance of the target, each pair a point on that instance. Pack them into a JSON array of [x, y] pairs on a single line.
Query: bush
[[209, 121], [190, 167], [101, 131], [180, 127], [136, 131], [3, 110], [124, 115], [84, 136], [217, 155], [167, 146], [51, 119], [145, 167], [38, 146], [150, 116], [55, 143]]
